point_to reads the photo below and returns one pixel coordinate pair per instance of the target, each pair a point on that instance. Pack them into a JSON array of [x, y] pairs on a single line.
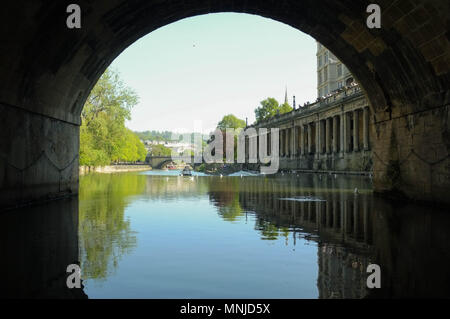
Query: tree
[[103, 135], [231, 121], [160, 150], [285, 108], [267, 109]]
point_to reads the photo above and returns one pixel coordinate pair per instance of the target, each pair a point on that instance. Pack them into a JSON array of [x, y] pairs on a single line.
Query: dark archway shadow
[[49, 71]]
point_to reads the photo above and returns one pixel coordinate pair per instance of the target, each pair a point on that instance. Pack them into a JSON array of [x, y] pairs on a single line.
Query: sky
[[204, 67]]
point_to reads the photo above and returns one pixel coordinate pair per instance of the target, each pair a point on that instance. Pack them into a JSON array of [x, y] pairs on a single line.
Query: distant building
[[177, 147], [331, 73]]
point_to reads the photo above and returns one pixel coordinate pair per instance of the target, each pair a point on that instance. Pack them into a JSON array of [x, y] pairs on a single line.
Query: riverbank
[[114, 169]]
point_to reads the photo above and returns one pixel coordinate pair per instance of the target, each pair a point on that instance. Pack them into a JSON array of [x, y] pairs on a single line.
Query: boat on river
[[186, 171]]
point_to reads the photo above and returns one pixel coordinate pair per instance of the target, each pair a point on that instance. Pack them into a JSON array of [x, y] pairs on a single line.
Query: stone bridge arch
[[156, 162], [48, 70]]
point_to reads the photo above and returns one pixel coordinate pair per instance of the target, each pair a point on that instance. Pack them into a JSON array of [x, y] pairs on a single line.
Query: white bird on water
[[356, 190], [221, 176]]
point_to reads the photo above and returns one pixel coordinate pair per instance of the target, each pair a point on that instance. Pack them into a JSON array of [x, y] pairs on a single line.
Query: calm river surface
[[158, 235]]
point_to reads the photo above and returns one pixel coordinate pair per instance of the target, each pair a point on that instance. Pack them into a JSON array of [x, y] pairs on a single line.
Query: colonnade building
[[332, 134]]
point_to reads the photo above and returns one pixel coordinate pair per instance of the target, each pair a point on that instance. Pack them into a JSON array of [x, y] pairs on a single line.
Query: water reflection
[[36, 246], [105, 234], [143, 235]]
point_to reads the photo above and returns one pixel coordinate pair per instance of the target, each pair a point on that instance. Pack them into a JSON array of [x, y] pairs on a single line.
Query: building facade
[[332, 134], [331, 73]]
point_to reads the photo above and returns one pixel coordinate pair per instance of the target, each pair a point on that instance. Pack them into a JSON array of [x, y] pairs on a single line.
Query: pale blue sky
[[204, 67]]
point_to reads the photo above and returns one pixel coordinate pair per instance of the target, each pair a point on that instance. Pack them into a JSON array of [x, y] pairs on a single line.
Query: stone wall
[[38, 157], [411, 155], [114, 169]]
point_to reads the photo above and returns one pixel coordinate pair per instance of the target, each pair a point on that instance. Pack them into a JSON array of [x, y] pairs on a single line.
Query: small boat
[[187, 171]]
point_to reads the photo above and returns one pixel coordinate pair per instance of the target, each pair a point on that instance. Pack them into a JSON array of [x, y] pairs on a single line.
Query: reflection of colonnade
[[339, 215], [332, 134], [341, 219]]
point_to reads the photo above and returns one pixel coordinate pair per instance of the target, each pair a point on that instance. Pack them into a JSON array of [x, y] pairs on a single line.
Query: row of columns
[[327, 136]]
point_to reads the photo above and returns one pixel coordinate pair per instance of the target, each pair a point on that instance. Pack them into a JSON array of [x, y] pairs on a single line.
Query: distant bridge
[[159, 161]]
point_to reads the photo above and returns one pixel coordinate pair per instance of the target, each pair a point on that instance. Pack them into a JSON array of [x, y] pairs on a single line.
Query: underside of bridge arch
[[157, 163], [48, 70]]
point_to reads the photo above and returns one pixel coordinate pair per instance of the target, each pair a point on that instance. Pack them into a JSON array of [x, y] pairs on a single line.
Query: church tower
[[285, 96]]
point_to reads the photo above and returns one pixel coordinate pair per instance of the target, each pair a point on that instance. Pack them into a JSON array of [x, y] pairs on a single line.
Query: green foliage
[[285, 108], [105, 234], [269, 108], [103, 135], [231, 121], [201, 168], [160, 150], [165, 136]]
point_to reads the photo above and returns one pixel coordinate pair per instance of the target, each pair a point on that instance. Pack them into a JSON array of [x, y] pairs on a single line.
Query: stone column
[[355, 131], [342, 135], [328, 214], [318, 144], [366, 128], [335, 135], [281, 142], [346, 133], [318, 215], [294, 142], [335, 214], [246, 148], [328, 135], [287, 142], [345, 219], [355, 217], [309, 138], [303, 138], [366, 221], [323, 144]]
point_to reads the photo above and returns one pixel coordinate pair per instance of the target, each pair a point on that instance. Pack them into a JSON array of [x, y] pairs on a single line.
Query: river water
[[159, 235]]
